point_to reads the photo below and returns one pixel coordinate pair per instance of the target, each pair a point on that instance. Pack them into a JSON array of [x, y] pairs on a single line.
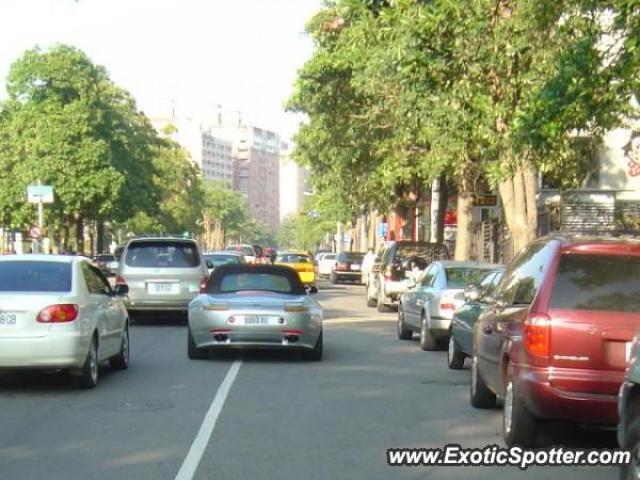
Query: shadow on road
[[16, 382]]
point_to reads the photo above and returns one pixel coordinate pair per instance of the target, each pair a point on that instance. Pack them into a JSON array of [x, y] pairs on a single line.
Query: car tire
[[371, 302], [519, 427], [194, 352], [403, 332], [89, 372], [315, 354], [480, 395], [382, 308], [455, 358], [427, 342], [632, 443], [334, 278], [121, 360]]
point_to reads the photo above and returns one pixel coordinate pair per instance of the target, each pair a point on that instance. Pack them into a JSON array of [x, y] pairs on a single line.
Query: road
[[282, 419]]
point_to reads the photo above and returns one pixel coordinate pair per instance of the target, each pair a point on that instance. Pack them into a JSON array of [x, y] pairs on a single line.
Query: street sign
[[382, 229], [40, 193]]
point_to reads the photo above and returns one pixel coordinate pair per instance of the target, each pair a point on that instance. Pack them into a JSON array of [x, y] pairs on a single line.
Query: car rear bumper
[[348, 274], [440, 327], [147, 303], [59, 350], [546, 401]]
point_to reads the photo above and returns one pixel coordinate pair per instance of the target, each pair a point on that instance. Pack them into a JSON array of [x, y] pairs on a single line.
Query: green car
[[477, 297]]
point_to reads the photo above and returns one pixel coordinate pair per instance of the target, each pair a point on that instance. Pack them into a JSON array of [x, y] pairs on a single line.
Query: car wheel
[[632, 443], [89, 372], [121, 360], [371, 302], [479, 394], [518, 425], [380, 303], [427, 342], [455, 358], [194, 352], [403, 332], [334, 278], [314, 355]]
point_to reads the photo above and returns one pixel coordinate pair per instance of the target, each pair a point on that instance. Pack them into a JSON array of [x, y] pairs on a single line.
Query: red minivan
[[554, 341]]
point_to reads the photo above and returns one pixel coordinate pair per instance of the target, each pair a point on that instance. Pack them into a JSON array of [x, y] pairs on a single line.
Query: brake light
[[58, 313], [120, 280], [341, 267], [537, 334], [203, 284], [447, 306]]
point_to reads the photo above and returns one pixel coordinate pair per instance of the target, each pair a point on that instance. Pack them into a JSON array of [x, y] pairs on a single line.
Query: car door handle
[[486, 328]]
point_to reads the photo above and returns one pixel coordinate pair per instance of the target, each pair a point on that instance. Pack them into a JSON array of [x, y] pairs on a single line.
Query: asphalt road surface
[[261, 415]]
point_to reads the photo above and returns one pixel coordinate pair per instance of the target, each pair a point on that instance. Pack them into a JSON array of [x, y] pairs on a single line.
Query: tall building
[[294, 181]]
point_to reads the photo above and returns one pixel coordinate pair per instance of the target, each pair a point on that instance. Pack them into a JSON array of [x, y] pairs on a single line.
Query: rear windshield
[[329, 257], [293, 258], [244, 250], [35, 276], [230, 282], [597, 282], [350, 257], [221, 259], [162, 254], [461, 277], [425, 252]]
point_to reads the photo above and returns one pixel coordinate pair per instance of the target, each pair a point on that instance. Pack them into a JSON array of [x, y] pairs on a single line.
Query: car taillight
[[388, 273], [203, 284], [537, 334], [447, 306], [120, 280], [341, 267], [58, 313]]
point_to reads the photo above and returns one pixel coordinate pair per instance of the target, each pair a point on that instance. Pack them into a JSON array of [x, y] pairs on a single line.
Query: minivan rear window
[[162, 254], [32, 276], [597, 282]]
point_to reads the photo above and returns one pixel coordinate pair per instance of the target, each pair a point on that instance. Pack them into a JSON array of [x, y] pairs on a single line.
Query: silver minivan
[[163, 274]]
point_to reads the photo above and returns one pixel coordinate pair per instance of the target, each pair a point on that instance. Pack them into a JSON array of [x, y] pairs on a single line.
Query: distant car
[[249, 252], [59, 312], [629, 412], [216, 259], [325, 264], [163, 274], [388, 277], [555, 341], [255, 306], [477, 297], [302, 263], [107, 263], [428, 306], [348, 266]]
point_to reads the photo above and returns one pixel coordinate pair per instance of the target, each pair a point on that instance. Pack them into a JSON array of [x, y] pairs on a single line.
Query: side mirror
[[312, 289], [120, 290], [472, 293]]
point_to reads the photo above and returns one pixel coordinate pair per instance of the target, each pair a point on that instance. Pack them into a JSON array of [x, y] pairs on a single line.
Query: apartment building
[[294, 183]]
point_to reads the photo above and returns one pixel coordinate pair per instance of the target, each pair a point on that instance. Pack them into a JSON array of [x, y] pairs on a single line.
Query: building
[[294, 183], [212, 155]]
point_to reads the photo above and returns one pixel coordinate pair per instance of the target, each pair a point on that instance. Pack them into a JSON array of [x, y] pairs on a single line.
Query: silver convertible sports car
[[255, 306]]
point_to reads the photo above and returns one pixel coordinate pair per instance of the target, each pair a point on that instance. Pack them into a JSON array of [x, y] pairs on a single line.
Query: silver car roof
[[42, 258]]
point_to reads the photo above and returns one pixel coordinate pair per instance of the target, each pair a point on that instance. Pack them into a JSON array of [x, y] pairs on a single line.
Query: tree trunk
[[80, 235], [65, 235], [464, 232], [443, 201], [100, 237]]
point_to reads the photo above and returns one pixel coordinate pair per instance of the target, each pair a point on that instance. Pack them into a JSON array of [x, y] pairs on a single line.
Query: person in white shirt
[[367, 264]]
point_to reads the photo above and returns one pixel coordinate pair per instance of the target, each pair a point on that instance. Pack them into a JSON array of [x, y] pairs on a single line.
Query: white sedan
[[59, 312], [325, 264]]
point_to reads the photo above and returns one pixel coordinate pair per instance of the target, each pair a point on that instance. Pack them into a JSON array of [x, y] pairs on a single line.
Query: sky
[[193, 54]]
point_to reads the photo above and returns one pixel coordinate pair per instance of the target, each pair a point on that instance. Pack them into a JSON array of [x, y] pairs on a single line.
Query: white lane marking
[[191, 461]]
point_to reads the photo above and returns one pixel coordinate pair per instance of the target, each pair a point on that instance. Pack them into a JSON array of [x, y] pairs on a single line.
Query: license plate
[[8, 319], [160, 288], [259, 320], [627, 351], [355, 267]]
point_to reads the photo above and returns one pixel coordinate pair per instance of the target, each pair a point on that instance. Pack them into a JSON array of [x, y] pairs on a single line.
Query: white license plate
[[355, 267], [627, 351], [162, 288], [257, 320], [8, 319]]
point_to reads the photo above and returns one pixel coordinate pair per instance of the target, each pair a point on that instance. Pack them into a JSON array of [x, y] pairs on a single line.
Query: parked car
[[387, 280], [302, 263], [428, 306], [554, 342], [477, 297], [215, 259], [59, 312], [107, 263], [347, 266], [325, 264], [255, 306], [629, 412], [162, 274], [250, 254]]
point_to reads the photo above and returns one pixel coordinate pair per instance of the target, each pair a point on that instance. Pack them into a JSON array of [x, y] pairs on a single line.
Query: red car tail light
[[447, 306], [203, 284], [342, 267], [58, 313], [537, 334], [120, 280]]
